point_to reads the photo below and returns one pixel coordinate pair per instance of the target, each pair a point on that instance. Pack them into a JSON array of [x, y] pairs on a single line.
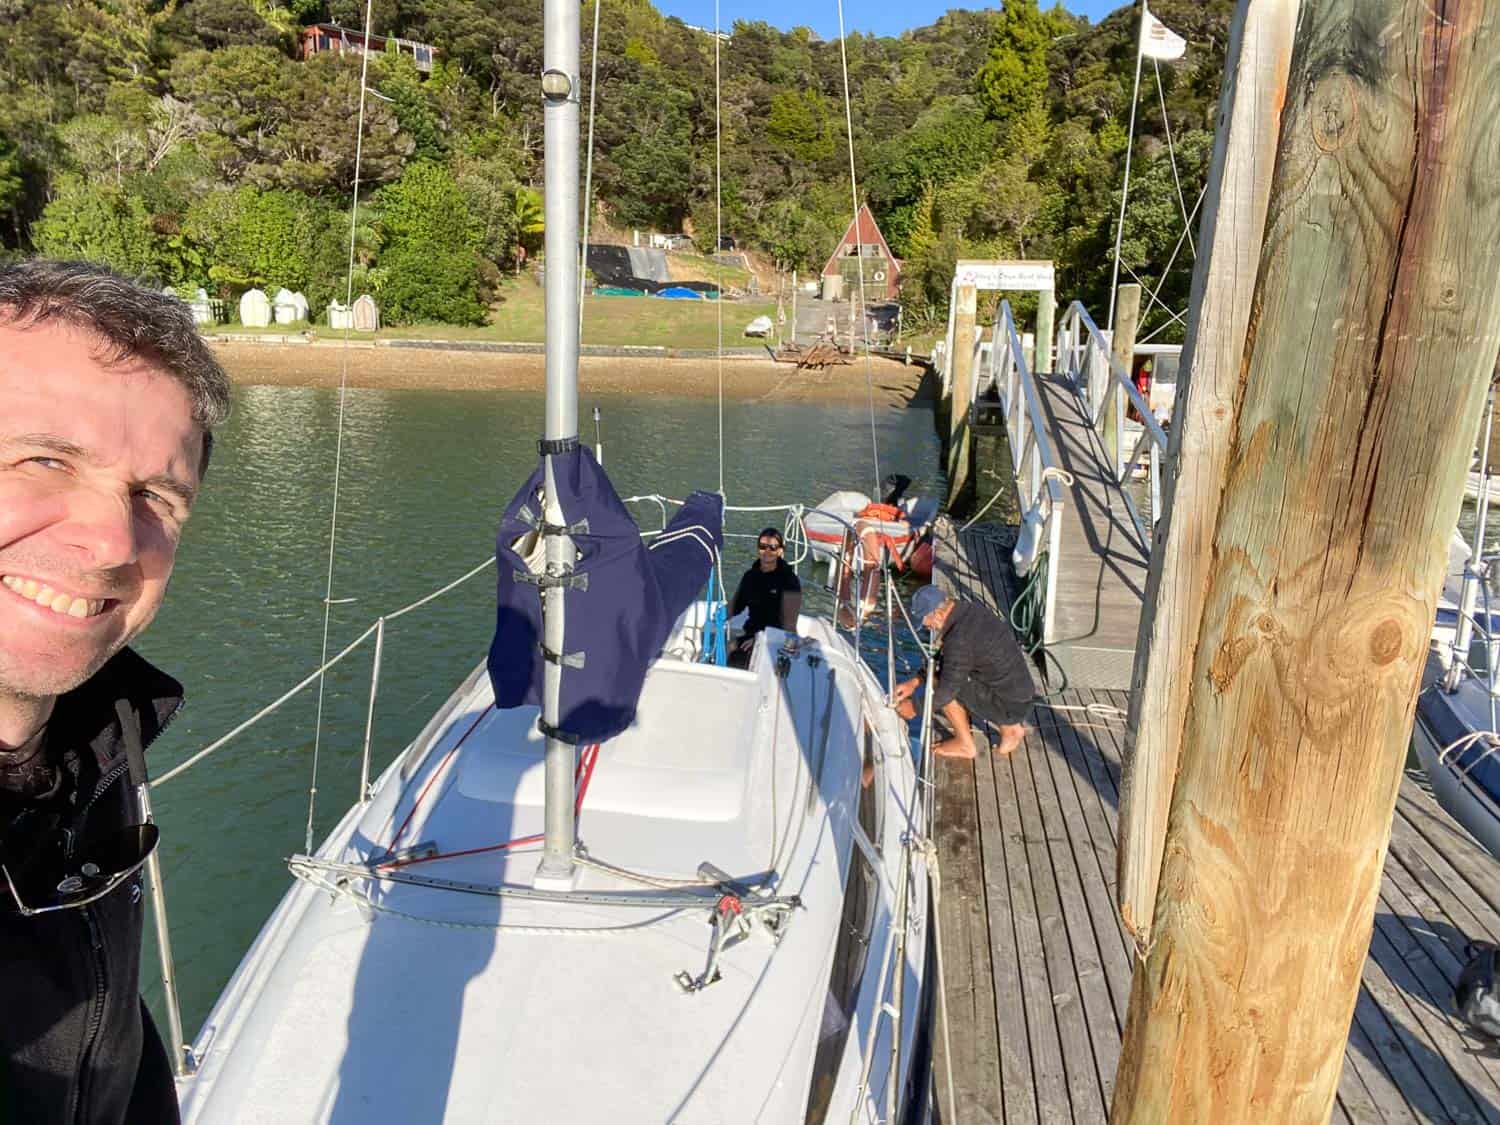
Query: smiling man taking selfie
[[108, 398]]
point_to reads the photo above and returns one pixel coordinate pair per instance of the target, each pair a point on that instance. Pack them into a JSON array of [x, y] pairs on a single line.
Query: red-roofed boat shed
[[863, 240]]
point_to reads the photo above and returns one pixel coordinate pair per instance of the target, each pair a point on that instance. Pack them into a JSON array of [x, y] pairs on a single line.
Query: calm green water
[[425, 476]]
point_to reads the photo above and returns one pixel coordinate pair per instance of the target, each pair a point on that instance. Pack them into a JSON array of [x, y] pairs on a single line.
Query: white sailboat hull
[[391, 1002], [1440, 718]]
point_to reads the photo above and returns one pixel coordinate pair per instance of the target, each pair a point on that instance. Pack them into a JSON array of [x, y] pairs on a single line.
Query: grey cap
[[925, 600]]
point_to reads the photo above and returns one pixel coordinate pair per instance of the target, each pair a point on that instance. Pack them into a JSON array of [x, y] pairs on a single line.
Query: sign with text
[[1005, 275]]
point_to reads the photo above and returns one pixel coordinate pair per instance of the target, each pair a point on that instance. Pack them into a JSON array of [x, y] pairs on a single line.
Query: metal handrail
[[1037, 469], [1085, 358]]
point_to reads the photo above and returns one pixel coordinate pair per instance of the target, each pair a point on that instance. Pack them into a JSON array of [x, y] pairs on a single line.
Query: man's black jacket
[[980, 657], [76, 1043]]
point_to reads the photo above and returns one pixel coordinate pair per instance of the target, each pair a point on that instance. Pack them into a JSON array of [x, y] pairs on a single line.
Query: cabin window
[[849, 956], [871, 784]]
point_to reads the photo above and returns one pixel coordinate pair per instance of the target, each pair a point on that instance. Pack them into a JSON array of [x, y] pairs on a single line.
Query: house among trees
[[322, 37], [882, 271]]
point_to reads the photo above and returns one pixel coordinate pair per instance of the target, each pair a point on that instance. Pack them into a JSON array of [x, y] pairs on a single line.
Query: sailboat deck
[[1038, 965]]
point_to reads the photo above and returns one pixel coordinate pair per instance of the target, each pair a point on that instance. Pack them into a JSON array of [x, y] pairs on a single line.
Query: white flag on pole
[[1158, 41]]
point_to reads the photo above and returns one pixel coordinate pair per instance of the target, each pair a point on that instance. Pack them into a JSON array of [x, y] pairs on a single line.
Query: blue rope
[[715, 622]]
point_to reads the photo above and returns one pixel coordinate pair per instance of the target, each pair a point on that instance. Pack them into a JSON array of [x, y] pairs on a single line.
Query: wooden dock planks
[[1028, 860]]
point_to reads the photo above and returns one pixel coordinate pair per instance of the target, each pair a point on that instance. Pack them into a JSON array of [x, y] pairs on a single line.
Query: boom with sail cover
[[622, 597]]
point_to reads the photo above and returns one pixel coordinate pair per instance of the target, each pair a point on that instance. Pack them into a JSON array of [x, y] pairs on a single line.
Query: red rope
[[583, 773], [448, 757], [586, 762]]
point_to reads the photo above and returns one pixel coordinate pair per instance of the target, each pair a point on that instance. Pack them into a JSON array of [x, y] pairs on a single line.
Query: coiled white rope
[[1459, 746]]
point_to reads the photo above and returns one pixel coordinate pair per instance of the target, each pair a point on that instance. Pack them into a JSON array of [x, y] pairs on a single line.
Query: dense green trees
[[100, 222], [1032, 165], [183, 141]]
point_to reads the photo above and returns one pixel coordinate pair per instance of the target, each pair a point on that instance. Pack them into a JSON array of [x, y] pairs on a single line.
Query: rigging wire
[[1166, 122], [719, 236], [588, 172], [338, 447], [859, 253], [1155, 294]]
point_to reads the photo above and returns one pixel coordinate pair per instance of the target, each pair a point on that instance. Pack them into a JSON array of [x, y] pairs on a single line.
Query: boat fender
[[1476, 997], [1028, 543]]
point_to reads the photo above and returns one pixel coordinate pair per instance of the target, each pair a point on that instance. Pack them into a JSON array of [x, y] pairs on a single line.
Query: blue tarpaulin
[[620, 608]]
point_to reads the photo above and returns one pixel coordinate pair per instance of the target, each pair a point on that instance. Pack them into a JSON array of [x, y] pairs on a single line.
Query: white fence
[[1105, 387], [1038, 476]]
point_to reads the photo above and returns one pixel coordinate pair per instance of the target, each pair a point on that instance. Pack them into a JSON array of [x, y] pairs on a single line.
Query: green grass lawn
[[700, 267], [617, 321]]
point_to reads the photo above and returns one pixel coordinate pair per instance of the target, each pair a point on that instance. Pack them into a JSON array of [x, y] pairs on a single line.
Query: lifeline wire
[[859, 252], [338, 447]]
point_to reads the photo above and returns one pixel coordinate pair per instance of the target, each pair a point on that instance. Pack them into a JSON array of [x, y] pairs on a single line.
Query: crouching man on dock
[[107, 399], [981, 671]]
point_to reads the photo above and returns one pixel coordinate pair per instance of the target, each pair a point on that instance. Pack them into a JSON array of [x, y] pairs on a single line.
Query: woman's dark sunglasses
[[98, 868], [768, 546]]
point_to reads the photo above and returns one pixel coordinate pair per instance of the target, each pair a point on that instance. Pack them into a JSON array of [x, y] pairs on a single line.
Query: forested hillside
[[182, 140]]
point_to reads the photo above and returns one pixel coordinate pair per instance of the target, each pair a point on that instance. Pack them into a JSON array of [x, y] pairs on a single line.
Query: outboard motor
[[1477, 994], [895, 487]]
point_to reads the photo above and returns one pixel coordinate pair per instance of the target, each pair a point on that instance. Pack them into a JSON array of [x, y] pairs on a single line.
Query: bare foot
[[953, 748], [1011, 736]]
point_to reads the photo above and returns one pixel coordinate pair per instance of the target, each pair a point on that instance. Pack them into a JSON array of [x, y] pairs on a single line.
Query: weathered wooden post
[[1258, 58], [1371, 332], [961, 363], [1046, 311], [794, 308], [1121, 351]]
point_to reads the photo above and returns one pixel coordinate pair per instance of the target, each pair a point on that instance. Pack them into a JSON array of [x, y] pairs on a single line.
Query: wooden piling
[[966, 300], [1046, 309], [1371, 333], [794, 309], [1122, 351], [1239, 184]]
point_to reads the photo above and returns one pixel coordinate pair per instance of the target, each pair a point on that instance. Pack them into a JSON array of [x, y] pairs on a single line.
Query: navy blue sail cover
[[619, 611]]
